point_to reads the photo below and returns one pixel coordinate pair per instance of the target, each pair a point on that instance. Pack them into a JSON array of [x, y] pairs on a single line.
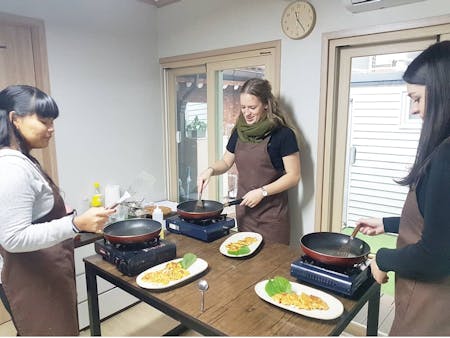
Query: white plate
[[197, 267], [237, 237], [336, 308]]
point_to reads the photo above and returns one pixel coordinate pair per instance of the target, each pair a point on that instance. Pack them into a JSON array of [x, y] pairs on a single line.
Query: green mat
[[375, 243]]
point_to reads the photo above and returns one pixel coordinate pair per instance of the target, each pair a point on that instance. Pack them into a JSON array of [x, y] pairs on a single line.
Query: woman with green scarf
[[264, 148]]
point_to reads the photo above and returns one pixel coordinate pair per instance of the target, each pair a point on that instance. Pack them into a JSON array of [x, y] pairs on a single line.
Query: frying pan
[[326, 247], [210, 209], [134, 230]]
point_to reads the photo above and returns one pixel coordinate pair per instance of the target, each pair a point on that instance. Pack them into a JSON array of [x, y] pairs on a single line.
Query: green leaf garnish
[[188, 260], [243, 250], [278, 285]]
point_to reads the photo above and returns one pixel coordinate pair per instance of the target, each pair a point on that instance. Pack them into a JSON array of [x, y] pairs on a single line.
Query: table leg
[[176, 331], [92, 296], [373, 313]]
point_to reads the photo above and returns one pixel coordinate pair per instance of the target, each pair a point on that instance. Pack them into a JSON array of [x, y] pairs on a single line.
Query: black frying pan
[[210, 209], [326, 247], [134, 230]]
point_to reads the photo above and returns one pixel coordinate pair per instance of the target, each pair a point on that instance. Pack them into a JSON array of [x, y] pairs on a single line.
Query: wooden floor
[[143, 320]]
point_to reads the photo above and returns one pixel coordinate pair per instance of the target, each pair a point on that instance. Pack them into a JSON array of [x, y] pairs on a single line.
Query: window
[[351, 117], [202, 100]]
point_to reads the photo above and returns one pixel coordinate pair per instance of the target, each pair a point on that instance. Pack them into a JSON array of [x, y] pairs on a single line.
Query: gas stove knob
[[122, 265]]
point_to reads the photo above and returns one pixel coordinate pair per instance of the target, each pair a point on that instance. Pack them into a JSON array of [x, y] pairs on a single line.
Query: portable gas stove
[[132, 259], [340, 279], [205, 230]]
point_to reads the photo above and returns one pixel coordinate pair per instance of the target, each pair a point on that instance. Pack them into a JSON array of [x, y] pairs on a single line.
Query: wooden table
[[231, 305]]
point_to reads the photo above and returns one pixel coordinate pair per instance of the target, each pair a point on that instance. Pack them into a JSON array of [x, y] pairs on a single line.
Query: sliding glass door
[[202, 107]]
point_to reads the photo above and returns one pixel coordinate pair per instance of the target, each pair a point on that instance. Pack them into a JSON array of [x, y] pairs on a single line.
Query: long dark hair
[[22, 100], [431, 69], [263, 90]]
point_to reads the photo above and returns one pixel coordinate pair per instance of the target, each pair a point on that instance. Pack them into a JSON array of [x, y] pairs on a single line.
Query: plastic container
[[97, 198], [112, 194], [158, 216]]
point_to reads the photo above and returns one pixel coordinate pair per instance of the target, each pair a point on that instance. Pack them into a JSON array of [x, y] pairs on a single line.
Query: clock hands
[[298, 21]]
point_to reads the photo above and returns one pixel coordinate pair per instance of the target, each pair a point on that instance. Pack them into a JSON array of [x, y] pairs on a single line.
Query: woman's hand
[[218, 168], [371, 226], [380, 276], [93, 219], [252, 198], [203, 179]]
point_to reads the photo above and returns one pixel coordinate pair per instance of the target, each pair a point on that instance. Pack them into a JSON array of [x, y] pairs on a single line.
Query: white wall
[[104, 75], [198, 25]]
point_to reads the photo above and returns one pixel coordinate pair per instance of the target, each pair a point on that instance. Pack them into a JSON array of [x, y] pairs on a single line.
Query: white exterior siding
[[386, 141]]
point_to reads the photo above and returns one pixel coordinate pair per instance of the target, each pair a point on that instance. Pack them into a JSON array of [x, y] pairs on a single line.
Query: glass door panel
[[224, 104], [202, 105], [191, 134], [229, 83], [382, 137], [376, 138]]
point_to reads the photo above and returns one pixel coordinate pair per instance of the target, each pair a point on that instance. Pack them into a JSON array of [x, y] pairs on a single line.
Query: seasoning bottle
[[158, 216], [97, 198]]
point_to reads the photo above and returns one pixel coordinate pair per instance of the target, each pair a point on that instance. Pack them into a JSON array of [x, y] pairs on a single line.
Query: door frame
[[212, 60], [171, 131], [47, 156], [329, 173], [342, 138]]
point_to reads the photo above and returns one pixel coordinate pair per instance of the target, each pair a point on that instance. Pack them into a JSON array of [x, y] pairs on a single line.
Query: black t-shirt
[[429, 258], [282, 143]]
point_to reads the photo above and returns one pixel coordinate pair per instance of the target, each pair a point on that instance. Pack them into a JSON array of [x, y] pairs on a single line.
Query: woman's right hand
[[203, 178], [93, 219], [371, 226]]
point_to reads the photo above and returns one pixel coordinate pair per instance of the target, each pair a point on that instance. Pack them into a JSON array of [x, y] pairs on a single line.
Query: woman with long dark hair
[[264, 147], [421, 261], [36, 232]]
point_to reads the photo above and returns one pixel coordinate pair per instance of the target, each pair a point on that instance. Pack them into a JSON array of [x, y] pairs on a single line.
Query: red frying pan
[[326, 247], [208, 210], [134, 230]]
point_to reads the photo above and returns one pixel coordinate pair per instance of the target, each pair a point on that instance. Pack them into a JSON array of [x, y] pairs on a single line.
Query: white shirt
[[25, 196]]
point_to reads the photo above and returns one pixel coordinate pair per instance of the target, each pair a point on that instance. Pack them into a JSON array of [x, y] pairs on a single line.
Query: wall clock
[[298, 19]]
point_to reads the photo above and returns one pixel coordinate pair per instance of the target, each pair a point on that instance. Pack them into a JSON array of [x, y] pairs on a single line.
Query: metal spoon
[[345, 248], [202, 286], [199, 205]]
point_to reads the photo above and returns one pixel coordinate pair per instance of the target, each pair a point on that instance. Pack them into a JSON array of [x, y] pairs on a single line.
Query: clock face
[[298, 19]]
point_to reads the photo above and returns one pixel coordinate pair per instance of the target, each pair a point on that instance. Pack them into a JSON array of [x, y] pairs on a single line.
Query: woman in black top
[[421, 260], [265, 150]]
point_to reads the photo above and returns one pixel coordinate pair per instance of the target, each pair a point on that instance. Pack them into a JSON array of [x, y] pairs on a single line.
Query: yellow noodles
[[235, 246], [303, 301], [171, 272]]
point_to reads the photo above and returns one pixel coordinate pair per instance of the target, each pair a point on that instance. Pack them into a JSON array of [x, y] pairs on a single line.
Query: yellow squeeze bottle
[[97, 198]]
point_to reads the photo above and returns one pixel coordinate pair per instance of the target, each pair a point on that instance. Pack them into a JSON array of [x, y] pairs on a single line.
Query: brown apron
[[421, 308], [40, 285], [270, 217]]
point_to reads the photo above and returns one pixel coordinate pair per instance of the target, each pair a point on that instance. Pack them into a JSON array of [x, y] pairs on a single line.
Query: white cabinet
[[111, 299]]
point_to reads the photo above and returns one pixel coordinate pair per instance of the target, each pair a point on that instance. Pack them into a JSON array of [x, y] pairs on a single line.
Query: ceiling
[[159, 3]]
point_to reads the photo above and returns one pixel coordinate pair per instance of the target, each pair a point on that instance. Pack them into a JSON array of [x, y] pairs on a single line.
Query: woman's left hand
[[252, 198], [380, 276]]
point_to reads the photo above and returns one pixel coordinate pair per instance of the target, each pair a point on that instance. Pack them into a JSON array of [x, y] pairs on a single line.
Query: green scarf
[[253, 133]]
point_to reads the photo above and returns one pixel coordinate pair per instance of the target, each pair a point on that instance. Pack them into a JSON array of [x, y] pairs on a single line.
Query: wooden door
[[16, 56], [23, 60]]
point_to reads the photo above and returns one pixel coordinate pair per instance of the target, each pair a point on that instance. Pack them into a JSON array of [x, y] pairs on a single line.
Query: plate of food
[[299, 298], [168, 274], [241, 244]]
